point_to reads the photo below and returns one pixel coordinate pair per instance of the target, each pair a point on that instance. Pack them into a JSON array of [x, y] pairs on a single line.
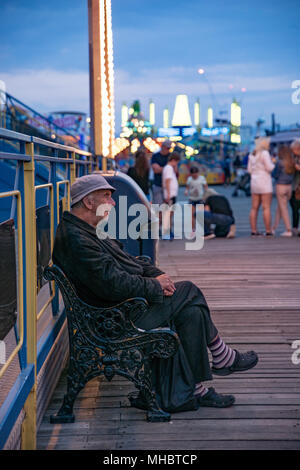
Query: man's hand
[[167, 284], [157, 169]]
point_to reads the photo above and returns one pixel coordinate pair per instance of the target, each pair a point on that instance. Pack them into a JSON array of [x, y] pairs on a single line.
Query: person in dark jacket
[[104, 274], [217, 211], [140, 171]]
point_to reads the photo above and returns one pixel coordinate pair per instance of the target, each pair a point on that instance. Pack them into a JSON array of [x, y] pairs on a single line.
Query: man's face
[[100, 203], [165, 150]]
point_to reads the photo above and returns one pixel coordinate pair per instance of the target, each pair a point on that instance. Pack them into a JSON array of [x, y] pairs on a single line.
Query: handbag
[[297, 193]]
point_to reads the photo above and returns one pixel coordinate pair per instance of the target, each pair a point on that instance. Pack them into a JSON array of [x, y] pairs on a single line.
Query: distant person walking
[[260, 167], [170, 192], [140, 171], [196, 184], [159, 160], [295, 199], [237, 163], [283, 174], [227, 170]]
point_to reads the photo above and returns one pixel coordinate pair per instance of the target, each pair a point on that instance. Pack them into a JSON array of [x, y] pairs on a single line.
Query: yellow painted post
[[73, 168], [104, 164], [90, 164], [29, 424]]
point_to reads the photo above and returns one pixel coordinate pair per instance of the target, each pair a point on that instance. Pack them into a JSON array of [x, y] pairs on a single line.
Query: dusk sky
[[158, 47]]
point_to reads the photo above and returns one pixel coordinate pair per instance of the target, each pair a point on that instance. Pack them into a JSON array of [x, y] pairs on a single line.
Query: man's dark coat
[[104, 275]]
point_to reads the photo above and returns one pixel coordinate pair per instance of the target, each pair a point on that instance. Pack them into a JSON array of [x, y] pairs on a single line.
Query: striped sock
[[200, 390], [223, 355]]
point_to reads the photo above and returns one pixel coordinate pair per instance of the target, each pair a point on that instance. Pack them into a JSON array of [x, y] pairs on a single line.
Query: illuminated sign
[[167, 132], [187, 131], [235, 138], [214, 131]]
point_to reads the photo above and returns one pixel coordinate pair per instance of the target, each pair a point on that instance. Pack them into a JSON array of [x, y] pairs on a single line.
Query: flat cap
[[86, 185]]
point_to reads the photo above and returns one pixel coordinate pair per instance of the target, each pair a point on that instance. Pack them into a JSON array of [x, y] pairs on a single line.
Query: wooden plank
[[177, 444], [236, 412], [228, 430]]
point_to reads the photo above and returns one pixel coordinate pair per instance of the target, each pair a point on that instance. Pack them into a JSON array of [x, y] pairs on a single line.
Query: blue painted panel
[[48, 338], [14, 402]]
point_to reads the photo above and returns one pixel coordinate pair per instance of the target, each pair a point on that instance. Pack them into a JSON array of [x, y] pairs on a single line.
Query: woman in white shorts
[[260, 166]]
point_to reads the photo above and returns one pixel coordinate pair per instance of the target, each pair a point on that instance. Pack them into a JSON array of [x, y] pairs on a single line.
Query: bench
[[104, 341]]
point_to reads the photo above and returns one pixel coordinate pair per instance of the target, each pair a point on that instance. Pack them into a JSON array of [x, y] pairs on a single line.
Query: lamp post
[[203, 73]]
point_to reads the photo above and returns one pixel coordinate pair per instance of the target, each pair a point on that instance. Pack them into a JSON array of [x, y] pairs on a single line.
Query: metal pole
[[101, 79], [30, 407], [96, 22]]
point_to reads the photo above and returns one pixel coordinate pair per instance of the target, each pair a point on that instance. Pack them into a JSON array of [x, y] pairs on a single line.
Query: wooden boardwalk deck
[[253, 290]]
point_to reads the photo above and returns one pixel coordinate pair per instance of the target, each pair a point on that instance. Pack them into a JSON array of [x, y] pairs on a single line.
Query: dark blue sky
[[158, 47]]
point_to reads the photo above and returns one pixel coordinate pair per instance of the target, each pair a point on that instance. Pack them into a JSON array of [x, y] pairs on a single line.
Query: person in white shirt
[[170, 186], [195, 186], [169, 178]]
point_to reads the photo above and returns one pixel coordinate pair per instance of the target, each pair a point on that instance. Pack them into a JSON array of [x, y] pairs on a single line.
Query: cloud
[[173, 80], [48, 90]]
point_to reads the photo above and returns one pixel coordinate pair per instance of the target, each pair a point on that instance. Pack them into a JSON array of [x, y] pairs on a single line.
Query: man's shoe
[[214, 399], [242, 362]]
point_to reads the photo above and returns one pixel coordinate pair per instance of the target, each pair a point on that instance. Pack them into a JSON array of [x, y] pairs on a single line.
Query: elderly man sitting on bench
[[104, 275]]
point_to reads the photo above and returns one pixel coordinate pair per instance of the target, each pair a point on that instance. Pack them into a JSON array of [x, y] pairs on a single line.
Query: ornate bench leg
[[154, 412], [145, 399], [65, 413]]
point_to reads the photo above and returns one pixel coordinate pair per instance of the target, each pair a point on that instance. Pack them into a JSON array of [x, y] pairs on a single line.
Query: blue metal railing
[[65, 164], [15, 115]]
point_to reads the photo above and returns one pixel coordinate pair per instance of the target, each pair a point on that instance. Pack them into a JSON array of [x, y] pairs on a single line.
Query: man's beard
[[101, 209]]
